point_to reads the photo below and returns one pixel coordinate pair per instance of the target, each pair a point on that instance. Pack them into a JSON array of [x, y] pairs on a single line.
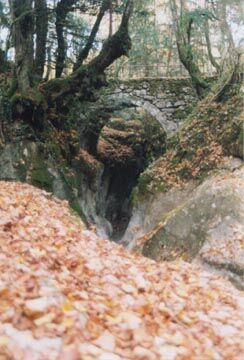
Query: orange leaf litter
[[67, 294]]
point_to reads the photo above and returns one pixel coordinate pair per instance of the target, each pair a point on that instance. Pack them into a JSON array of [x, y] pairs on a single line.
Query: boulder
[[201, 223]]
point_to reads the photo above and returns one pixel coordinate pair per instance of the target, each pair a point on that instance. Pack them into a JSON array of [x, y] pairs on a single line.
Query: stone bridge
[[168, 100]]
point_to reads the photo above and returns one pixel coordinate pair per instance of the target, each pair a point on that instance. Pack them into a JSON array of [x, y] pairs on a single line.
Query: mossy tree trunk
[[36, 104], [90, 76], [41, 29], [23, 30], [183, 33], [186, 57], [209, 47]]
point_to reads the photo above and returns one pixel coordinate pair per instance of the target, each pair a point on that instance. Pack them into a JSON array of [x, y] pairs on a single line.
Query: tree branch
[[115, 46], [85, 51], [88, 77]]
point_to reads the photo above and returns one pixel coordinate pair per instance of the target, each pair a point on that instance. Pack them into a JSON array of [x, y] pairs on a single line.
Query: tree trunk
[[85, 51], [110, 18], [117, 45], [183, 40], [209, 47], [169, 55], [62, 10], [225, 28], [23, 28], [90, 76], [41, 36], [49, 62], [229, 51], [2, 61], [53, 97]]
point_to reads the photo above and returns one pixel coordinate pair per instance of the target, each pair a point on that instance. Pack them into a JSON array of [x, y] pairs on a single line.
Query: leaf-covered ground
[[67, 294], [212, 131]]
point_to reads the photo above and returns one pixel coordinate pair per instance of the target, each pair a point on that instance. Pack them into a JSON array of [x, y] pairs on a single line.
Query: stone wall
[[168, 100]]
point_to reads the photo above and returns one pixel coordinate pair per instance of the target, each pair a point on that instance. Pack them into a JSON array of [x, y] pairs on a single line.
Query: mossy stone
[[41, 177]]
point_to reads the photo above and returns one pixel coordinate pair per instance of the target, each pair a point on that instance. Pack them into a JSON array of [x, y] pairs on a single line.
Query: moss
[[53, 148], [156, 85], [75, 206], [184, 173], [232, 137], [228, 91], [160, 187], [176, 160], [140, 192], [202, 176], [134, 198], [41, 178], [72, 180], [13, 87], [84, 167], [55, 84], [181, 114], [143, 182], [33, 96], [22, 169]]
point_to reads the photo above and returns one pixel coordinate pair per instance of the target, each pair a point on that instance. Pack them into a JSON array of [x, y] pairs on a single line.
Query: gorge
[[100, 160]]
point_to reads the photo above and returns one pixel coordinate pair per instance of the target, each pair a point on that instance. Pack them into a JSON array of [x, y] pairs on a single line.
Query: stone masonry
[[168, 100]]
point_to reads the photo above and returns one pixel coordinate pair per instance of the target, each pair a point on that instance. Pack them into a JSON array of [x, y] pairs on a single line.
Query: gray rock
[[186, 90], [140, 93], [160, 96], [145, 86], [168, 126], [160, 104], [179, 103], [148, 97], [231, 163], [153, 110], [116, 91], [146, 215], [203, 223]]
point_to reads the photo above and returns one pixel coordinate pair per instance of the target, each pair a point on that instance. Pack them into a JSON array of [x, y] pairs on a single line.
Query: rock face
[[201, 223], [33, 162], [92, 157], [131, 143], [126, 148]]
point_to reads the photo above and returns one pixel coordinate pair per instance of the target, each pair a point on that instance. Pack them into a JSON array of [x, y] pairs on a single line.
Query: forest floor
[[67, 294]]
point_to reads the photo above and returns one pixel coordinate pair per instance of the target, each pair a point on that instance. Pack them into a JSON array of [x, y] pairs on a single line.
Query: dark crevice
[[121, 181]]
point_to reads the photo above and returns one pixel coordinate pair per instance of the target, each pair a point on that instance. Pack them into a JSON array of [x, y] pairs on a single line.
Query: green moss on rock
[[22, 169], [41, 178]]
